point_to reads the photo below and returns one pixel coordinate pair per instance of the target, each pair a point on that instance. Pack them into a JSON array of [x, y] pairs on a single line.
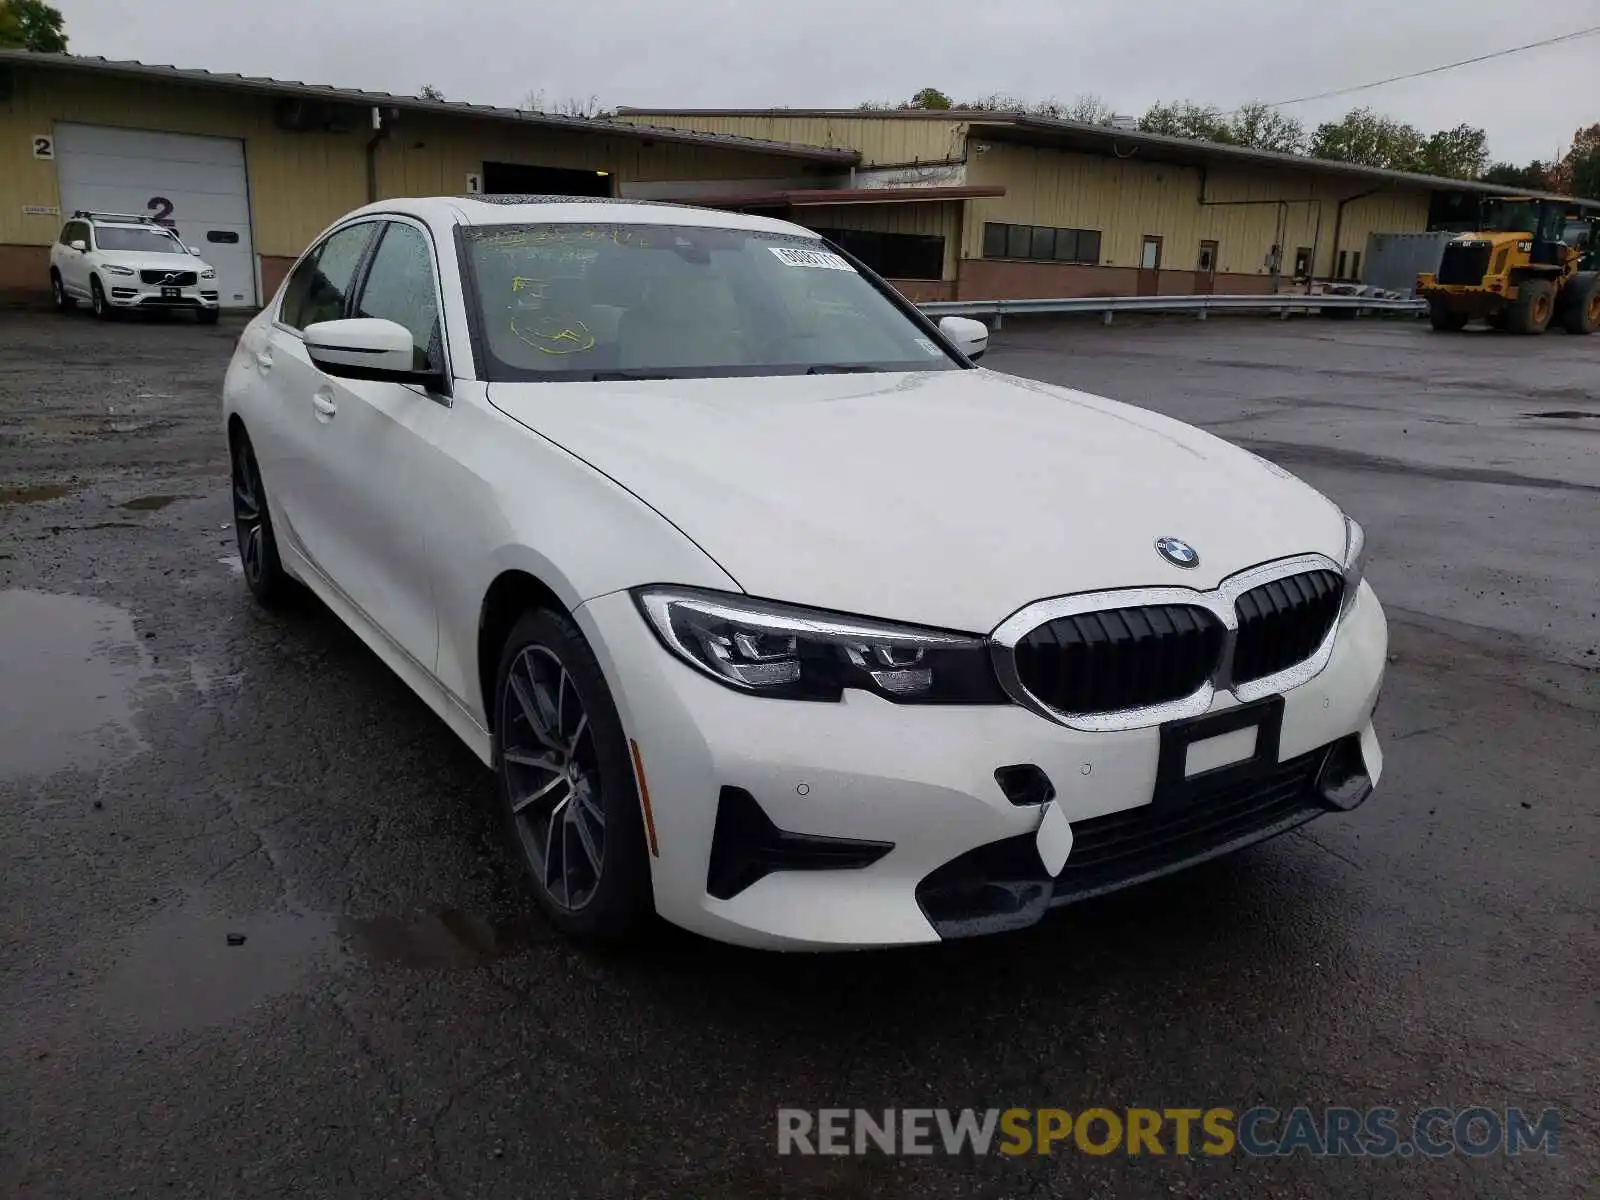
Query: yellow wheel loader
[[1530, 263]]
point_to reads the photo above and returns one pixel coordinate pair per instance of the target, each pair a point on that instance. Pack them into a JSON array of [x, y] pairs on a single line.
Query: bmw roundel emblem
[[1177, 552]]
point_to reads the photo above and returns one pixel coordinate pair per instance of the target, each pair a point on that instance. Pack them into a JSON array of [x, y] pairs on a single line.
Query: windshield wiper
[[842, 369], [619, 376]]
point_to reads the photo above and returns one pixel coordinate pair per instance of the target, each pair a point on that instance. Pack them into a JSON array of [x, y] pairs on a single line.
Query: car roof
[[519, 210]]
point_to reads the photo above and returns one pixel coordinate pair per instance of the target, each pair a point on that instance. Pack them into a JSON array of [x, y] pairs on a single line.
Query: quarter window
[[319, 285], [400, 288]]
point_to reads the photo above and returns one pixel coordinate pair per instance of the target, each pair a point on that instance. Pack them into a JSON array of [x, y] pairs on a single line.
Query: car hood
[[945, 498], [161, 262]]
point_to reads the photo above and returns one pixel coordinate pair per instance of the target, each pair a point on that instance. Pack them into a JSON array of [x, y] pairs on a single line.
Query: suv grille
[[179, 278], [1464, 263], [1120, 658], [1282, 622]]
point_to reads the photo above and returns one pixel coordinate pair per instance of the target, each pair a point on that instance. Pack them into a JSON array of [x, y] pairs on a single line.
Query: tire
[[566, 782], [1530, 312], [1443, 319], [207, 316], [252, 522], [58, 294], [98, 302], [1581, 305]]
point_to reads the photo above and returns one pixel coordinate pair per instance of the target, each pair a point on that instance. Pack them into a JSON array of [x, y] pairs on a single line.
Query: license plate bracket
[[1175, 786], [171, 293]]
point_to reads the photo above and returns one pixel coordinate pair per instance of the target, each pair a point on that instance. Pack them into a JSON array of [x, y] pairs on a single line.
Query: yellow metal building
[[1057, 208], [260, 166]]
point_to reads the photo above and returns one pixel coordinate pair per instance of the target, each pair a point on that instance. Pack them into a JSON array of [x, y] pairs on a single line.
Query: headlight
[[209, 273], [796, 653], [1355, 563], [113, 269]]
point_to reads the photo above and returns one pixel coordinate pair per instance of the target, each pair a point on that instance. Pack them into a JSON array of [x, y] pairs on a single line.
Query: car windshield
[[132, 237], [624, 301]]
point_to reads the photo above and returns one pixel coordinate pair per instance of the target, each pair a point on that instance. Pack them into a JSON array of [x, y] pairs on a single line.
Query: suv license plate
[[171, 293]]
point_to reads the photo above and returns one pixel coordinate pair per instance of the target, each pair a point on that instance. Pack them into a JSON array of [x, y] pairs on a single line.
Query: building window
[[892, 255], [1302, 263], [1039, 243]]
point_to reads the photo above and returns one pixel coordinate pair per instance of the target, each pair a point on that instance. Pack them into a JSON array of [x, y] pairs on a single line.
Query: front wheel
[[1530, 312], [98, 302], [567, 781]]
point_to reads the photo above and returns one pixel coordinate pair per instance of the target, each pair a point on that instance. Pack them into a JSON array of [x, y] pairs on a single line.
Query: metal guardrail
[[1283, 304]]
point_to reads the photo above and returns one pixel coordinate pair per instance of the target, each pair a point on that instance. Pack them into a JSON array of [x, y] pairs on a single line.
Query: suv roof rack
[[136, 218]]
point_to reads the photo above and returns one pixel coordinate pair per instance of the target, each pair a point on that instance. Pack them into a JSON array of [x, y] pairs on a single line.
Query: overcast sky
[[836, 53]]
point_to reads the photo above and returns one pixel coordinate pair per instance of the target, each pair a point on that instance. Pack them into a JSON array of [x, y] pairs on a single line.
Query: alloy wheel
[[551, 773], [249, 512]]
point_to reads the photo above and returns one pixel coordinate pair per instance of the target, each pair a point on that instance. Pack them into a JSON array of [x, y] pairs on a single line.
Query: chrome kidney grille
[[1138, 657]]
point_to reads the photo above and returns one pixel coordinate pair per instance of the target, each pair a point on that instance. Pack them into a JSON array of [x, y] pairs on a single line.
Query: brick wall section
[[920, 291], [24, 273], [992, 279]]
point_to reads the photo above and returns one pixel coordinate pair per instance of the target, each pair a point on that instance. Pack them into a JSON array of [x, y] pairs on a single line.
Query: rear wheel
[[98, 302], [252, 523], [1582, 313], [1530, 312], [58, 293], [567, 781], [1444, 319]]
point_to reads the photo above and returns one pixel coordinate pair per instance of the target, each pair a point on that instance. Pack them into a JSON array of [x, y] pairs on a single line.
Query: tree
[[588, 109], [31, 25], [1203, 122], [1459, 153], [1535, 177], [930, 98], [1369, 138], [1578, 172], [429, 92], [1264, 128]]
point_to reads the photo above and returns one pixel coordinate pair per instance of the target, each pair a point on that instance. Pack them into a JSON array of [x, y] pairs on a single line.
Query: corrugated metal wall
[[881, 141], [301, 182], [1127, 200]]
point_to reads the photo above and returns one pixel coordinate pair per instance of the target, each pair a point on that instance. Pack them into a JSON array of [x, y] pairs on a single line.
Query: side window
[[317, 289], [400, 288], [74, 231]]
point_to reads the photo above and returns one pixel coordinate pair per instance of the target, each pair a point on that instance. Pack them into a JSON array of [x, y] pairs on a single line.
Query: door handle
[[264, 361], [325, 406]]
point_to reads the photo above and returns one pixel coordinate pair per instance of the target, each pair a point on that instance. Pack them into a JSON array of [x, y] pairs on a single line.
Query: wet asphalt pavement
[[179, 770]]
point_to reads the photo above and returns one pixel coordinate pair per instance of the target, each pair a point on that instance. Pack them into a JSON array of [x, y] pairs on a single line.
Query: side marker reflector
[[644, 800]]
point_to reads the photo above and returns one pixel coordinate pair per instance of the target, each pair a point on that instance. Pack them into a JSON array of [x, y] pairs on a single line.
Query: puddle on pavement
[[1566, 414], [71, 668], [35, 492], [179, 972], [151, 503], [446, 939]]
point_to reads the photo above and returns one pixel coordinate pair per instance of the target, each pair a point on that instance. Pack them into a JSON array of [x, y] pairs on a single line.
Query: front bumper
[[132, 293], [931, 845]]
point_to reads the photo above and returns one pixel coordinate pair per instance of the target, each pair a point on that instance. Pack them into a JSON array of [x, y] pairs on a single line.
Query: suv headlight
[[1355, 563], [113, 269], [209, 273], [795, 653]]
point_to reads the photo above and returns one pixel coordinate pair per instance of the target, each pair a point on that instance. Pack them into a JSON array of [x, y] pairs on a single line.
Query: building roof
[[832, 197], [261, 85], [1033, 129]]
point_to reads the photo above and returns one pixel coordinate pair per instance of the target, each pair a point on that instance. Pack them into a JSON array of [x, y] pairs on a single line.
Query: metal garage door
[[195, 184]]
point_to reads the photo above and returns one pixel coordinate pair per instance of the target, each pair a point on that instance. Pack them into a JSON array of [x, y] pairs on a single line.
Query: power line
[[1465, 62]]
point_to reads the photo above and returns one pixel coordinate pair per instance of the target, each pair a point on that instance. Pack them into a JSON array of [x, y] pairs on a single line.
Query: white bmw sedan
[[773, 614]]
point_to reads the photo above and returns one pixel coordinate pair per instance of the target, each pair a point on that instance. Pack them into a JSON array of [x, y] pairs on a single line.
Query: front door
[[368, 454], [1205, 269], [1150, 266]]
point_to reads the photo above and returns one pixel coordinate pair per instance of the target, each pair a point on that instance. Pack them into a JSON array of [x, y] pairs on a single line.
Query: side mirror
[[367, 348], [78, 244], [971, 337], [194, 250]]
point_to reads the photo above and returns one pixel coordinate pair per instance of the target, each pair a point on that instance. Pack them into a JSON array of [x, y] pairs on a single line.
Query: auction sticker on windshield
[[810, 258]]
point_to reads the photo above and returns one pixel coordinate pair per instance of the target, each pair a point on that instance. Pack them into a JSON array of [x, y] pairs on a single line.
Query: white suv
[[117, 261]]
